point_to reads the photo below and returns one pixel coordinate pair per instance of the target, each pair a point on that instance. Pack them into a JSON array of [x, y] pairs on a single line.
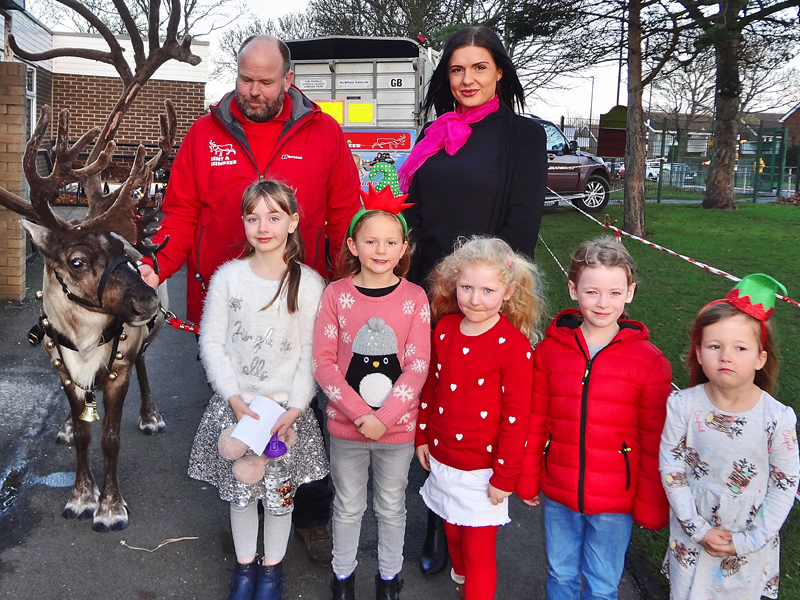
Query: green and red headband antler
[[754, 295], [384, 200]]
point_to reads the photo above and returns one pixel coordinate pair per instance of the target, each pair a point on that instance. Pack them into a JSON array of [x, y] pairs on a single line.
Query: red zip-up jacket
[[215, 164], [596, 423]]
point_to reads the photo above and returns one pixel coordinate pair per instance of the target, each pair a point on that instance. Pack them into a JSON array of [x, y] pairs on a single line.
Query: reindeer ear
[[39, 235]]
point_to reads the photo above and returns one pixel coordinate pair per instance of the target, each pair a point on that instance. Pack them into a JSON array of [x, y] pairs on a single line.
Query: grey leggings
[[244, 526]]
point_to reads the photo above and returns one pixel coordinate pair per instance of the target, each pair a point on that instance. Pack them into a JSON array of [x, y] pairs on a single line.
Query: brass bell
[[67, 382], [49, 344], [123, 336], [57, 362], [45, 323], [112, 376], [90, 412], [39, 295], [118, 355]]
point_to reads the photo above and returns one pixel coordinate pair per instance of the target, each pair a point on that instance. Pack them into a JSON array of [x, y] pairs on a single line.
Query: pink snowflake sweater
[[476, 403], [346, 324]]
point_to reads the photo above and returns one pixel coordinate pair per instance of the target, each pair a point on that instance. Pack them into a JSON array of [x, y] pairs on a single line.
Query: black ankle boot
[[388, 590], [344, 589], [243, 582], [433, 558], [270, 584]]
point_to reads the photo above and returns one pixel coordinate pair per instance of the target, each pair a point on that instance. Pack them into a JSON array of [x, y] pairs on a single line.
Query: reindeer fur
[[81, 262]]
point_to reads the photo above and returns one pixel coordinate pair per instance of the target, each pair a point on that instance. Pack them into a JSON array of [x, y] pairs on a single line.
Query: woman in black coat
[[480, 168]]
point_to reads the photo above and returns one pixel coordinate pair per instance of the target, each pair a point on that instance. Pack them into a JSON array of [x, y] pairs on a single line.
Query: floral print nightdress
[[738, 472]]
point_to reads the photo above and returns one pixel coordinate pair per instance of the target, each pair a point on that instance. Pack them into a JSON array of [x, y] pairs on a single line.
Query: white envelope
[[256, 433]]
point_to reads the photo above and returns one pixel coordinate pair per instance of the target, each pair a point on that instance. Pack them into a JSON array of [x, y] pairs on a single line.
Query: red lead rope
[[175, 322]]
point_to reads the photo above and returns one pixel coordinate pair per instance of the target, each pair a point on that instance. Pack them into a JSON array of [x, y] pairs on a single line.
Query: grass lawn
[[756, 238]]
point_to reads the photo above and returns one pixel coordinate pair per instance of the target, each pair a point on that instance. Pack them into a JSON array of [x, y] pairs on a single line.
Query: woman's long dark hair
[[439, 96], [279, 195]]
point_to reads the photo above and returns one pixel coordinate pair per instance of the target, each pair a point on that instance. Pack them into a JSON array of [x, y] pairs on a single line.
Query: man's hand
[[240, 408], [283, 426], [370, 426], [149, 276], [424, 457], [718, 543], [496, 496]]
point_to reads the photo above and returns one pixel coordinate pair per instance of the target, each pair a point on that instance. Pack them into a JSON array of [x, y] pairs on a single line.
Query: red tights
[[472, 552]]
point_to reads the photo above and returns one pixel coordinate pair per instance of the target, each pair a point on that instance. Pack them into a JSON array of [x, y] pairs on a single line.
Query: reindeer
[[97, 314]]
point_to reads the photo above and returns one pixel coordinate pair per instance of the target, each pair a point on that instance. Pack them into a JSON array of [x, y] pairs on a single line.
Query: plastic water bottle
[[278, 479]]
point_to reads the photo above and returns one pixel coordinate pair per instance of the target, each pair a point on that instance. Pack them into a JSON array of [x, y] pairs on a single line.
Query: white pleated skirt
[[461, 497]]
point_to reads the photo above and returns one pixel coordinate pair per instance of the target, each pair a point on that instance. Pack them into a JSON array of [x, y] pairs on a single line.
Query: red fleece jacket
[[214, 165]]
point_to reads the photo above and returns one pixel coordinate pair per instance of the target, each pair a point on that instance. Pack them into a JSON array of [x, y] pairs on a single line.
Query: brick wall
[[12, 144], [91, 99]]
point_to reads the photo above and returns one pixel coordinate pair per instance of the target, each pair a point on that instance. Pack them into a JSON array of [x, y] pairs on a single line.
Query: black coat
[[495, 184]]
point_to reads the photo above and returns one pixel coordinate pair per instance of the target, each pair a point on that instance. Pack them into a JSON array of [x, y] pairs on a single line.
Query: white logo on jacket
[[292, 156], [221, 154]]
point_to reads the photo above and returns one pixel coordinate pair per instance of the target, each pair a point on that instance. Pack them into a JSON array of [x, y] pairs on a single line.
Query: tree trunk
[[635, 145], [720, 191]]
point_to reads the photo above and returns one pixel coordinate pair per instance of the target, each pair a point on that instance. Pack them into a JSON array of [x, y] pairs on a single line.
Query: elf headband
[[384, 200], [754, 295]]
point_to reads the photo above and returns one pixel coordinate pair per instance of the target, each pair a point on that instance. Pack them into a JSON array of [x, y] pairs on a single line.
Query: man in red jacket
[[265, 129]]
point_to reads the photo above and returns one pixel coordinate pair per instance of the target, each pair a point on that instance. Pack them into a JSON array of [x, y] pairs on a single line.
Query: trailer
[[374, 88]]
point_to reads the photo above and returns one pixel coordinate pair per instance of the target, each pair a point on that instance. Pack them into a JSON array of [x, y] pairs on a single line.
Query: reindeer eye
[[76, 263]]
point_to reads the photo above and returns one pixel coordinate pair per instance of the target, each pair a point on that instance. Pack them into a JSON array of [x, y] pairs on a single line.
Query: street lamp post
[[591, 105]]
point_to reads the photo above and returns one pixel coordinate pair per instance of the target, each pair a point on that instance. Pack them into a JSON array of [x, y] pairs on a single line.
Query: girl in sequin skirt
[[256, 337]]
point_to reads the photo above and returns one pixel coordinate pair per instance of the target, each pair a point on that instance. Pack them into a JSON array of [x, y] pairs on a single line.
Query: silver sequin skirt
[[307, 458]]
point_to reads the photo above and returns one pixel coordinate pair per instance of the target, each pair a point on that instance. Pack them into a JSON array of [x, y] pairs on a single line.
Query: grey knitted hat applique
[[375, 338]]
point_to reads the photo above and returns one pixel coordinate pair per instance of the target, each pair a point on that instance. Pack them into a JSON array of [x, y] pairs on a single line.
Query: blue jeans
[[590, 545]]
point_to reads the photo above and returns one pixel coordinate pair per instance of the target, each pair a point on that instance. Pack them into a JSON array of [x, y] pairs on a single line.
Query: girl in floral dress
[[729, 457]]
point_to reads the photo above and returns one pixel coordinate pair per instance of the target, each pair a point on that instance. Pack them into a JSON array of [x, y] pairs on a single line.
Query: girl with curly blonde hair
[[476, 402]]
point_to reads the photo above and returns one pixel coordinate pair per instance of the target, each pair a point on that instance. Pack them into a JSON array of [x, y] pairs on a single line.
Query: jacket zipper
[[584, 409], [197, 275], [624, 451], [547, 451]]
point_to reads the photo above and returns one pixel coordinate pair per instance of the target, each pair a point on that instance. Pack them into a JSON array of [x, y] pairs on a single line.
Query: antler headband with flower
[[385, 201]]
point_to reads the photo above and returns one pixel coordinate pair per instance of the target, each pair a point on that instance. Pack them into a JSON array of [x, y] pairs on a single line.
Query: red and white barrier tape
[[708, 268]]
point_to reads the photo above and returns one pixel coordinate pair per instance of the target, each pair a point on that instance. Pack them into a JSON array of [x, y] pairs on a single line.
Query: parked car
[[675, 173], [573, 174]]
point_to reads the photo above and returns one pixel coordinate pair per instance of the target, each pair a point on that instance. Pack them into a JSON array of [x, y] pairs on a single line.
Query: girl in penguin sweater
[[477, 400], [371, 354]]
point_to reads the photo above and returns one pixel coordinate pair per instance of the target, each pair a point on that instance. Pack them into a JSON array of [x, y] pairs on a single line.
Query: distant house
[[792, 120], [89, 90]]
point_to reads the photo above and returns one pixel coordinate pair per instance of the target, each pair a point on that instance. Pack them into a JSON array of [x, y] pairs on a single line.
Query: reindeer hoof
[[65, 433], [152, 425], [83, 503], [111, 516], [70, 512]]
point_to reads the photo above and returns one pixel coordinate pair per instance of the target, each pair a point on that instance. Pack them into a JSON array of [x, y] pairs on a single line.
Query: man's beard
[[268, 110]]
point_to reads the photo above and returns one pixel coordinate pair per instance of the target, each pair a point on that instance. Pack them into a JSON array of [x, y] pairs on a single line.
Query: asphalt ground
[[45, 556]]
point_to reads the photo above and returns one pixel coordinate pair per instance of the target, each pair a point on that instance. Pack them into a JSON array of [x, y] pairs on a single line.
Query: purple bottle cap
[[275, 448]]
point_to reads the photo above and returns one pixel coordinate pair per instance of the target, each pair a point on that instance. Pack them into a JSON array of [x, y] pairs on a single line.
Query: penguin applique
[[374, 367]]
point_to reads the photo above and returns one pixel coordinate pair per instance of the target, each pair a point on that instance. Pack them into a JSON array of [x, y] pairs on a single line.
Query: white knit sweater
[[249, 351]]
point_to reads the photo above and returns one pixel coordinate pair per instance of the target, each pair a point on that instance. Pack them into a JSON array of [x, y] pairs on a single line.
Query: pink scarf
[[450, 131]]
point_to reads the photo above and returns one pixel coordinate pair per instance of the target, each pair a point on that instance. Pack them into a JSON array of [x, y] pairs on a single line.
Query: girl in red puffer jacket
[[599, 405]]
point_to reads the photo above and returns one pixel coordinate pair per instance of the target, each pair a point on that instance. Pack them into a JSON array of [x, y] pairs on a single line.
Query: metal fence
[[765, 164]]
